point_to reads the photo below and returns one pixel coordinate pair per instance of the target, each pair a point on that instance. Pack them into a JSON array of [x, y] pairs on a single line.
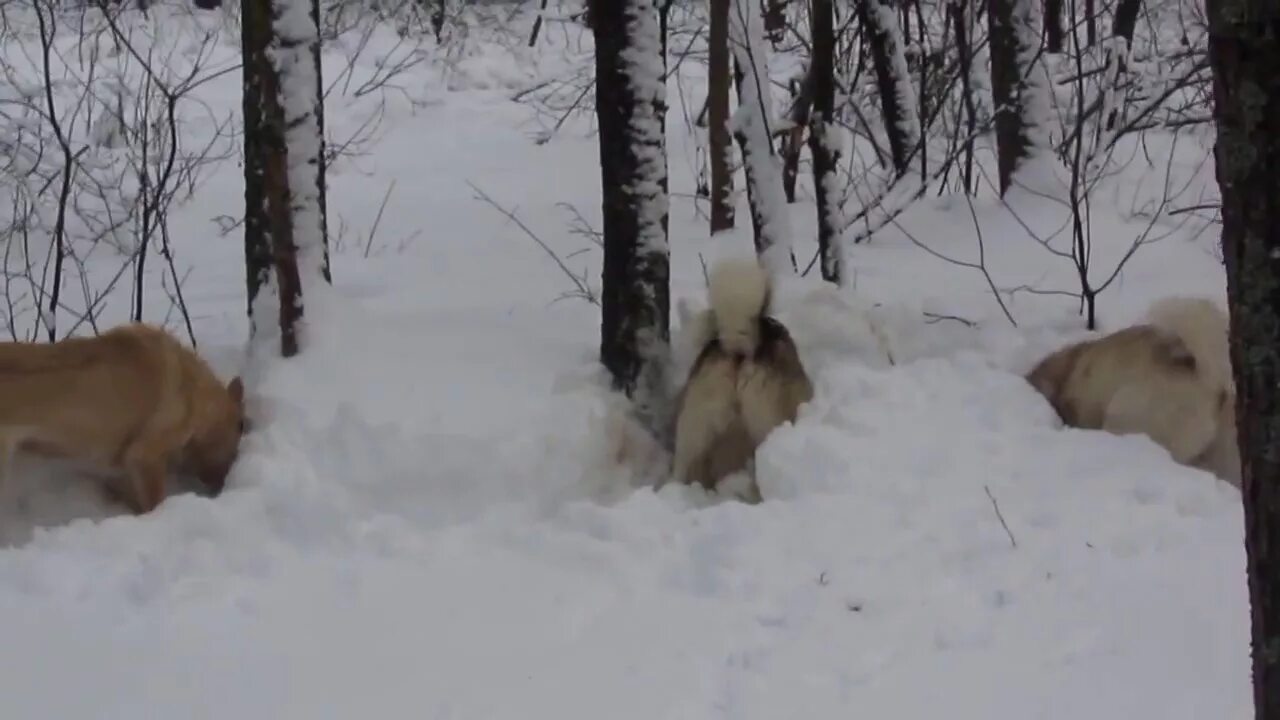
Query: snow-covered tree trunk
[[752, 126], [1245, 59], [630, 105], [962, 25], [1018, 86], [893, 77], [255, 29], [1118, 52], [285, 235], [822, 139], [322, 160], [719, 138]]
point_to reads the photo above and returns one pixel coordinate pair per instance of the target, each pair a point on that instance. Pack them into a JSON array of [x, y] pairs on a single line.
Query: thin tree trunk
[[821, 144], [630, 104], [720, 139], [1014, 44], [959, 12], [754, 132], [1091, 22], [1117, 64], [888, 58], [1005, 78], [1245, 59], [255, 34], [791, 144], [322, 156]]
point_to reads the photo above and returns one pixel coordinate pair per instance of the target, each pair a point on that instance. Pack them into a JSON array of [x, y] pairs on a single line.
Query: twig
[[1000, 516], [936, 317], [584, 290], [373, 232]]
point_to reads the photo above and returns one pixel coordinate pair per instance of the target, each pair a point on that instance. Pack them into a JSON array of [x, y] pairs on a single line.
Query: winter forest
[[743, 359]]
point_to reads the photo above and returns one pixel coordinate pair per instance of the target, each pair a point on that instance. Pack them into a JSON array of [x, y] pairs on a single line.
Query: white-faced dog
[[747, 379]]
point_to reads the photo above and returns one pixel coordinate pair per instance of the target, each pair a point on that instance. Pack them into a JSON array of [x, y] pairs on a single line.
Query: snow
[[431, 518]]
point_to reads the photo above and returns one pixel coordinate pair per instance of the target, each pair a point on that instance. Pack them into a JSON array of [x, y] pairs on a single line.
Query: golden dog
[[132, 401], [1168, 378], [747, 379]]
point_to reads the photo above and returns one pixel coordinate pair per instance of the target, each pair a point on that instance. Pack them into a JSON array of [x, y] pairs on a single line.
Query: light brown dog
[[132, 401], [747, 379], [1168, 378]]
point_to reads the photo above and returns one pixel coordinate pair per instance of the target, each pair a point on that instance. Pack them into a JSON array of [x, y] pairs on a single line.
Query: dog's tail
[[738, 291], [1203, 327]]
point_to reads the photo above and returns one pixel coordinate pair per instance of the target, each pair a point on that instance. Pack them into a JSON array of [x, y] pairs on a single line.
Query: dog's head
[[1049, 378], [215, 442]]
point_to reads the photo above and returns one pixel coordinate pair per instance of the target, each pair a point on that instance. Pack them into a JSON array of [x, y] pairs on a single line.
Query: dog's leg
[[147, 475], [1223, 456], [147, 463], [706, 413]]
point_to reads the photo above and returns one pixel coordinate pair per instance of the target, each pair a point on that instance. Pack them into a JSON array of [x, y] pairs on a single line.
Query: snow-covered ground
[[429, 520]]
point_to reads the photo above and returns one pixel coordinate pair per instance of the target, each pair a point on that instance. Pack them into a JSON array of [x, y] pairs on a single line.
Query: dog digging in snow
[[132, 402], [747, 379], [1168, 378]]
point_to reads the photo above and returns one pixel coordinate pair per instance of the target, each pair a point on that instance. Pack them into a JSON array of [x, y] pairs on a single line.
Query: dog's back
[[1168, 378], [131, 399], [80, 396]]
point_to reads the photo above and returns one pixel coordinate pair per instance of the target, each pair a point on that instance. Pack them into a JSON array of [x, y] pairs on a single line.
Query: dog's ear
[[236, 389]]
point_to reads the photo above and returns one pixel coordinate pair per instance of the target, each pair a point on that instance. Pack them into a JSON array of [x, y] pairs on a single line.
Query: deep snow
[[429, 520]]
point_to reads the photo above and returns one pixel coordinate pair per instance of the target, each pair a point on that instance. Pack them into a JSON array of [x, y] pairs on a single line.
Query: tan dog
[[747, 378], [1169, 378], [132, 401]]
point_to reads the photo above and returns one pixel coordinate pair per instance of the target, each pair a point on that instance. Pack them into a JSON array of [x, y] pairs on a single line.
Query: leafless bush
[[98, 159]]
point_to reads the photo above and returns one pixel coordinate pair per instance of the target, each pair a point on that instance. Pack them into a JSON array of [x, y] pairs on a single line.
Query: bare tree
[[285, 236], [630, 105], [821, 138], [1245, 59], [719, 138]]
